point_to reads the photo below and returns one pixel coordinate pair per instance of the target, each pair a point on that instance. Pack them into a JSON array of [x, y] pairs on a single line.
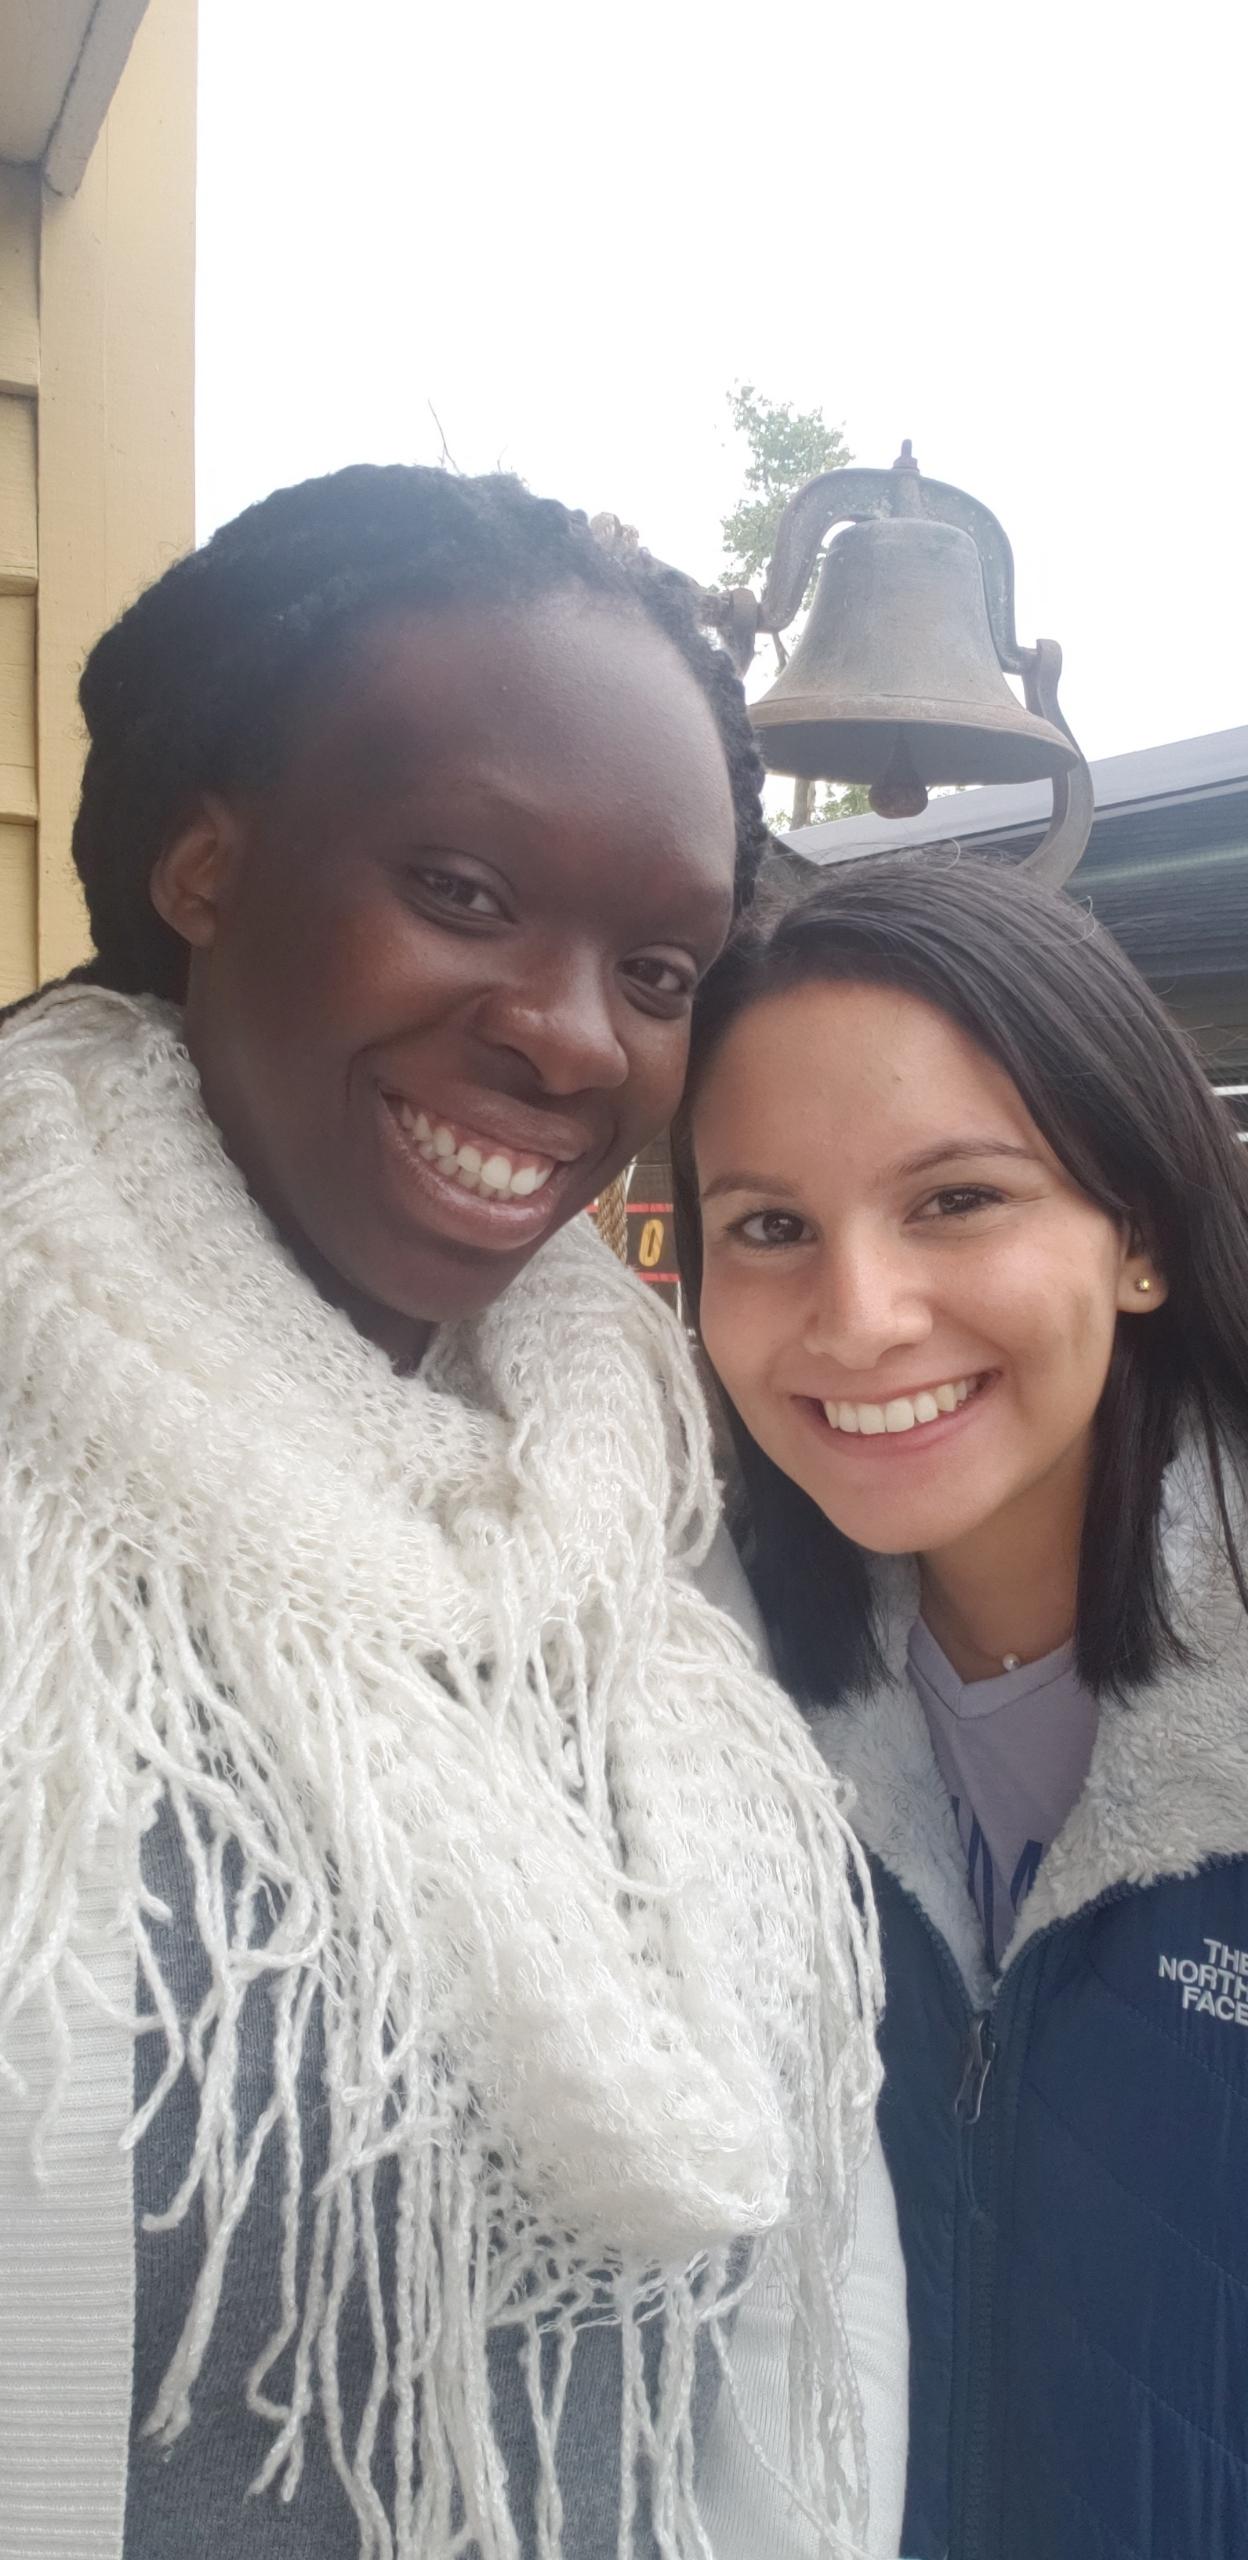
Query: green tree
[[841, 800], [786, 447], [844, 800]]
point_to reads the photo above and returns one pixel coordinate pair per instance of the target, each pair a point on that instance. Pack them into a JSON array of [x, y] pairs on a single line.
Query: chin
[[884, 1542], [879, 1537], [896, 1528], [921, 1533]]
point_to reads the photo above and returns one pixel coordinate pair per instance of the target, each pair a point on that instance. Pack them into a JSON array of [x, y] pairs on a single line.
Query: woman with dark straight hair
[[965, 1230]]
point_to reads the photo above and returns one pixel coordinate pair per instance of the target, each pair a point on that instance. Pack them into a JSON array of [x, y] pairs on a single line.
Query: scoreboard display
[[652, 1244]]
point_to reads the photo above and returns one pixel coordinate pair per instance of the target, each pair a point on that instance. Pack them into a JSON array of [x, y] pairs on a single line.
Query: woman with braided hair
[[435, 1973]]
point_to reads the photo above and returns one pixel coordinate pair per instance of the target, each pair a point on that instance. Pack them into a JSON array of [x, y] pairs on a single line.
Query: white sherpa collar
[[879, 1740], [1167, 1789]]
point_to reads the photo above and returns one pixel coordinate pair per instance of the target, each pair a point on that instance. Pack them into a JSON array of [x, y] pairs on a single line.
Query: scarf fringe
[[539, 1872]]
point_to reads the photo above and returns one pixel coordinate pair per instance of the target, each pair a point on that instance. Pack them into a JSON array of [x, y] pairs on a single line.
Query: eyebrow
[[946, 1151], [768, 1182], [951, 1150]]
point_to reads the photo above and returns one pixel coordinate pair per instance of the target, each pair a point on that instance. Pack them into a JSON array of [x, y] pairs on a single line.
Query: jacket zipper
[[980, 2055], [991, 2054], [970, 2411], [968, 2396]]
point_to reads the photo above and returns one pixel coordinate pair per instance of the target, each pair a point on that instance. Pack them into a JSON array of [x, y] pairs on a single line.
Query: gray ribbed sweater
[[88, 2323], [191, 2500]]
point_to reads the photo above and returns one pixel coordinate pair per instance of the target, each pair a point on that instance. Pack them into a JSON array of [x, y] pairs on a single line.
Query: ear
[[192, 878], [1142, 1288]]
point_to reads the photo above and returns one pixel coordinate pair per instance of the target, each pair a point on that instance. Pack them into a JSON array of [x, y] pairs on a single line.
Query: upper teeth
[[902, 1412], [466, 1163]]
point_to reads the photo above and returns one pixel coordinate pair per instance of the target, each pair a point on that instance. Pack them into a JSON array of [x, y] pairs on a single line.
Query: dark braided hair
[[189, 690]]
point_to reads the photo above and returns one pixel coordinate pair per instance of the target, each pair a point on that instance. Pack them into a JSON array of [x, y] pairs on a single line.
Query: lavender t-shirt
[[1014, 1753]]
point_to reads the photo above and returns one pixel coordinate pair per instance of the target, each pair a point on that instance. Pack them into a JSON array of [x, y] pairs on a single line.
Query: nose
[[561, 1019], [865, 1303]]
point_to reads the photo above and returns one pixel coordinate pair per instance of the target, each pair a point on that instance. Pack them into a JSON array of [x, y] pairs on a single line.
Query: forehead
[[561, 709], [878, 1072]]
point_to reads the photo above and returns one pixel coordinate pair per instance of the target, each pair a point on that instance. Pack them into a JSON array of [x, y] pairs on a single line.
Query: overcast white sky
[[1017, 235]]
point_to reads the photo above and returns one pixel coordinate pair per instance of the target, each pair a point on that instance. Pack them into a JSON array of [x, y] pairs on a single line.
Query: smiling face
[[442, 967], [909, 1302]]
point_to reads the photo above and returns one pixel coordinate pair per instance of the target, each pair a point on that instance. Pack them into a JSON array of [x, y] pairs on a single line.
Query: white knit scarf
[[553, 1860]]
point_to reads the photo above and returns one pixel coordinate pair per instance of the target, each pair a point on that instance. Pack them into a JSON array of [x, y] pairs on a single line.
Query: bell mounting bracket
[[858, 496]]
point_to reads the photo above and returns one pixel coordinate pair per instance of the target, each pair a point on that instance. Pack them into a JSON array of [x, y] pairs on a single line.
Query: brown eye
[[766, 1228], [671, 979], [960, 1200], [453, 889]]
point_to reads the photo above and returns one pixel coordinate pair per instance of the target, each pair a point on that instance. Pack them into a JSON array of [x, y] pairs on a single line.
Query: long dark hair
[[1118, 1092]]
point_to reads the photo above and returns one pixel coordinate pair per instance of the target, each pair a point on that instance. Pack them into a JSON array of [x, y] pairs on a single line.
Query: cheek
[[1079, 1353], [1054, 1318], [658, 1059], [721, 1331], [281, 962], [740, 1327], [332, 978]]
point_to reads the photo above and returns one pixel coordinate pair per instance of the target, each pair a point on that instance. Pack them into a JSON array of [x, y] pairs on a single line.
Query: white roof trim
[[1152, 774], [92, 82]]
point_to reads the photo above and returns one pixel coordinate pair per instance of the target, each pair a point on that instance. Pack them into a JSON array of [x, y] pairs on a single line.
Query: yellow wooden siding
[[97, 296], [19, 375], [19, 279], [116, 412], [17, 708], [19, 546], [18, 941]]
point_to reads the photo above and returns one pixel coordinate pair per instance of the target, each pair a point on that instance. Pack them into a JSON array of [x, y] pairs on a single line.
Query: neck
[[404, 1339], [1011, 1585]]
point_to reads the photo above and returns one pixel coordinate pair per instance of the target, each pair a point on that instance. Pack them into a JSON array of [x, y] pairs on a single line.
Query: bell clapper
[[899, 793]]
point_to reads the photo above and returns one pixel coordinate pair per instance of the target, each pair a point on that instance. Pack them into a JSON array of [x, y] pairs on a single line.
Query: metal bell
[[898, 679], [895, 680]]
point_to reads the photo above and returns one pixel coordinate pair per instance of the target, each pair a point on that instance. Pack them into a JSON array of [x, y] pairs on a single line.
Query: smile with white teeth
[[903, 1413], [485, 1168]]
